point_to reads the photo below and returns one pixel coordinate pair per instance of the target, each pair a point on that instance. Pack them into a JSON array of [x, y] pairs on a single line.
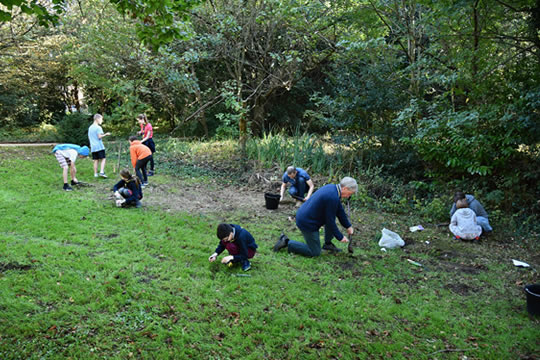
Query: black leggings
[[141, 165], [152, 146]]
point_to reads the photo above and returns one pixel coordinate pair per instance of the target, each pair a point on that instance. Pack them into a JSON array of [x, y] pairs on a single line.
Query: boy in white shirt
[[67, 154]]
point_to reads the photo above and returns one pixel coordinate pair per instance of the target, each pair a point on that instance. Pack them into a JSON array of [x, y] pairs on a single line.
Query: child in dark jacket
[[128, 191], [238, 242]]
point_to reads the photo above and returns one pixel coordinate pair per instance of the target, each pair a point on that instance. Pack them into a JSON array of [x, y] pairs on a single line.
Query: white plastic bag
[[390, 239]]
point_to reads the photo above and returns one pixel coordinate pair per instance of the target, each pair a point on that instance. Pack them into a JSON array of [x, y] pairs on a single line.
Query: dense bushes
[[73, 128]]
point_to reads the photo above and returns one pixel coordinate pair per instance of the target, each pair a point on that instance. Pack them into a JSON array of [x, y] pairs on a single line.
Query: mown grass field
[[82, 279]]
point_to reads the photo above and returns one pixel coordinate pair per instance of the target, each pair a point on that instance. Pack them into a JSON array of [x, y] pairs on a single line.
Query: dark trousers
[[298, 189], [140, 166], [152, 146]]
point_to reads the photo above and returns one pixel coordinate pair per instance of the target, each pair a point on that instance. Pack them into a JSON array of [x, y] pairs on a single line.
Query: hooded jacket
[[474, 205], [463, 224]]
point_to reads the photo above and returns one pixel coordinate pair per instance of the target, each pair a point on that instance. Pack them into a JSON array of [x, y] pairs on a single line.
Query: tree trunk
[[201, 117], [476, 40]]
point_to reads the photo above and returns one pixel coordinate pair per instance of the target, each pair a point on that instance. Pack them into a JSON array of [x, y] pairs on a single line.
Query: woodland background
[[431, 96]]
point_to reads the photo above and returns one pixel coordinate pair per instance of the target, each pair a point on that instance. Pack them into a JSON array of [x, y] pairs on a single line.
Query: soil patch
[[13, 266], [459, 267], [460, 289], [212, 199]]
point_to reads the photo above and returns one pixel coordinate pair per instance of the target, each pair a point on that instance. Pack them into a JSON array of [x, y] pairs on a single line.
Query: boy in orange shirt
[[140, 156]]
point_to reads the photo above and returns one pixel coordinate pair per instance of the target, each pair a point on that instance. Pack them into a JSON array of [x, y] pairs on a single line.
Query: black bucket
[[272, 201], [533, 299]]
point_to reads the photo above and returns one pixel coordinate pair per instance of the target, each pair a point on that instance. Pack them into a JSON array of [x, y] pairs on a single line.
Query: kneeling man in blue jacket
[[321, 209]]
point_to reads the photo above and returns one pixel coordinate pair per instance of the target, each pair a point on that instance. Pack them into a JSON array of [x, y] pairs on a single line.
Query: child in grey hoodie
[[463, 224]]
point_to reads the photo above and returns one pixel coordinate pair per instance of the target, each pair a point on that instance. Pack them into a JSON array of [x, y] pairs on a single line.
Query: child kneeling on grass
[[128, 191], [238, 242], [463, 224]]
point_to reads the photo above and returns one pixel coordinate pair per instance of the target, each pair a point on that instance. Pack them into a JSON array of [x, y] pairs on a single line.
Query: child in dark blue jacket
[[128, 191], [238, 242]]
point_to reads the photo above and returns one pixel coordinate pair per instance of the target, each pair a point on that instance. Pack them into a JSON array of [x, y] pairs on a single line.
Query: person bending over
[[321, 209], [238, 242]]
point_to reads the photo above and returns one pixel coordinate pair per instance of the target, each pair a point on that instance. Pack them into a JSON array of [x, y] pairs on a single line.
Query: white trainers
[[103, 175]]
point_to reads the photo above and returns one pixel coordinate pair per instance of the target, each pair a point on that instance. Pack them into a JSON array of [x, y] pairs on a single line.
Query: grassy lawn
[[82, 279]]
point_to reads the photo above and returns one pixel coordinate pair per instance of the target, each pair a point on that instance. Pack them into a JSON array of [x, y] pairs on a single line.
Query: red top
[[147, 130]]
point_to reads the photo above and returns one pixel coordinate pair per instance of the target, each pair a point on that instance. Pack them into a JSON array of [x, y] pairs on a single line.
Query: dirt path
[[26, 144]]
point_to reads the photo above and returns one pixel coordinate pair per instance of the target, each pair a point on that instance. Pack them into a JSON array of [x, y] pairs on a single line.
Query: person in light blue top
[[95, 134], [299, 180]]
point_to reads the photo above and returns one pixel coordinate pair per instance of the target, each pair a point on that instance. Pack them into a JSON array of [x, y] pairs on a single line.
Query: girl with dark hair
[[128, 191]]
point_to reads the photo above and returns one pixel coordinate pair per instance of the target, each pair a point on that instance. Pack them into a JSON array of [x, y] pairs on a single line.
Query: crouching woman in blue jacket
[[128, 191]]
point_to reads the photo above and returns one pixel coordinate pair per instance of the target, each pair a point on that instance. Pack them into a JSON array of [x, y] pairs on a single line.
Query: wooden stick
[[452, 350], [119, 152]]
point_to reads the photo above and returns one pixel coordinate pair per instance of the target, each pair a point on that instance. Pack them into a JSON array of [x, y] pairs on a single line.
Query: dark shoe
[[281, 243], [150, 173], [246, 265], [75, 182], [67, 187], [331, 247], [138, 204]]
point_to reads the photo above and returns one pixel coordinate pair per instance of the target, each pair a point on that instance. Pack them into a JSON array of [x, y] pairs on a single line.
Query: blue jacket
[[243, 240], [321, 209], [136, 190], [299, 173], [82, 150], [474, 205]]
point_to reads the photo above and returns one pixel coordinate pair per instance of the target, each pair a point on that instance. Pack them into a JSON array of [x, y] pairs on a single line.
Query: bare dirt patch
[[212, 199], [13, 266]]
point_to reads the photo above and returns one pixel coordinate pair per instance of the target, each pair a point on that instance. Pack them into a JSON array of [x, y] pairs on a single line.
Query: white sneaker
[[96, 175], [103, 175]]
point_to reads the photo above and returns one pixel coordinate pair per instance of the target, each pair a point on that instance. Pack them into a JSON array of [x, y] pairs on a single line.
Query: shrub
[[73, 128]]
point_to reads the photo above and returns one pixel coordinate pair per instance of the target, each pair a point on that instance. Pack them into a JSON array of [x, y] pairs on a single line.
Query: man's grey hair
[[291, 170], [97, 116], [349, 183]]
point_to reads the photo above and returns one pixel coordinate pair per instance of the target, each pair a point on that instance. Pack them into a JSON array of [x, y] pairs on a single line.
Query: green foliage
[[40, 134], [73, 128], [304, 150], [159, 22], [436, 210]]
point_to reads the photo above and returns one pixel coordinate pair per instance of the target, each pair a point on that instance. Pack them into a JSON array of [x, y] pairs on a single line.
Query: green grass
[[84, 280]]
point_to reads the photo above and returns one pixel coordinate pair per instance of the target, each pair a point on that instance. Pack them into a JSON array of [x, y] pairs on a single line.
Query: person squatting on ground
[[474, 205], [67, 154], [299, 179], [321, 209], [95, 135], [148, 138], [128, 191], [140, 156], [463, 224], [238, 242]]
